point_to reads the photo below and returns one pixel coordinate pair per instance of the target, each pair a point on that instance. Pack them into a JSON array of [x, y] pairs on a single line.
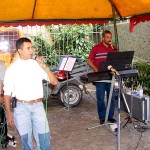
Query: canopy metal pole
[[34, 9], [115, 27]]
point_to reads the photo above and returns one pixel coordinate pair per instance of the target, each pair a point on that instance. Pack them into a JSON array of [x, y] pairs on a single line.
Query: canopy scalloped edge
[[47, 22], [135, 20]]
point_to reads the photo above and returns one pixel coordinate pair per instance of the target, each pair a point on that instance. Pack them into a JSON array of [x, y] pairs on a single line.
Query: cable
[[140, 128], [88, 92], [91, 95], [46, 110], [139, 141]]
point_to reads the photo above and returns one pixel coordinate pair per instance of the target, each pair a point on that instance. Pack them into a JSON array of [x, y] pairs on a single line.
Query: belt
[[30, 101]]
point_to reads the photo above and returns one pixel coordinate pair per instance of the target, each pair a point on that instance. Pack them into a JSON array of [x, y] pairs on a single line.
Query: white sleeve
[[8, 82], [44, 75], [2, 70], [41, 72]]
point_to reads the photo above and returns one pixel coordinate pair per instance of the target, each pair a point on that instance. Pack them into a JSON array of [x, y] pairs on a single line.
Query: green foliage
[[144, 75], [71, 39], [98, 28], [43, 48], [143, 78]]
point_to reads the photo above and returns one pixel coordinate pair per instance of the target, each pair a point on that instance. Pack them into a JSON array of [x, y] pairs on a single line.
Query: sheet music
[[62, 63], [70, 63], [66, 63]]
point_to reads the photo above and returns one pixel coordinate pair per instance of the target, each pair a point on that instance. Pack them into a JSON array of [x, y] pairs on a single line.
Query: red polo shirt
[[99, 53]]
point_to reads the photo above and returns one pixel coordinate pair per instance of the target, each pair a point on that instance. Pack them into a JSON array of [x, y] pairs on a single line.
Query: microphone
[[110, 67], [34, 58], [111, 44]]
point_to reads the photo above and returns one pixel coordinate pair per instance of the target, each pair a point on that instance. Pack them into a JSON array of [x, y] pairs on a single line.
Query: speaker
[[139, 107]]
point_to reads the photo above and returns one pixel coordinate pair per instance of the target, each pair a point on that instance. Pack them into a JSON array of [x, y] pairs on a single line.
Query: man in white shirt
[[2, 73], [23, 79]]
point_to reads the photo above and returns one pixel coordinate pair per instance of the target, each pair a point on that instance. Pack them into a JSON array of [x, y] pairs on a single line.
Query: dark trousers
[[101, 87]]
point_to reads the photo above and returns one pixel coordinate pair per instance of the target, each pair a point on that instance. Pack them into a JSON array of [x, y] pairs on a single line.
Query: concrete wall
[[138, 41]]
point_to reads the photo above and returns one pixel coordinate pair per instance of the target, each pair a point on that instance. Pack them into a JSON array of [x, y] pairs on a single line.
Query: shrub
[[143, 78]]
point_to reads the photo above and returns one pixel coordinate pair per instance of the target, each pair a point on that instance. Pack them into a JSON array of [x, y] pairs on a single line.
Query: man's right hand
[[10, 120], [92, 65], [96, 69], [1, 99]]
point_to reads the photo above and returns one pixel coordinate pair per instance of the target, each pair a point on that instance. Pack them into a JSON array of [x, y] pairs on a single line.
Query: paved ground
[[69, 130]]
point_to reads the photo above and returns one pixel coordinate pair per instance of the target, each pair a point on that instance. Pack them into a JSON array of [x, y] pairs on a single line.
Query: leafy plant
[[71, 39], [143, 78], [43, 48]]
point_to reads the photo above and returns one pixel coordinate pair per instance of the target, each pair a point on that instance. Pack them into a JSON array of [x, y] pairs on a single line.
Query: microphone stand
[[129, 118], [66, 64], [116, 73], [118, 111], [68, 98]]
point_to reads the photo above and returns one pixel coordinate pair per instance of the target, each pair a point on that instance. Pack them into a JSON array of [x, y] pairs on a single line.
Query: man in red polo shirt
[[99, 54]]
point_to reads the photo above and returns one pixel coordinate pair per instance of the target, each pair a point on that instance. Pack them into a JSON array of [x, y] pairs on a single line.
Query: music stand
[[66, 64], [119, 60]]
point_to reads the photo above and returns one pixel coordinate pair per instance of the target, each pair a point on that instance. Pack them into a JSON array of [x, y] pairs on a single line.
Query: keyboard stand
[[108, 106]]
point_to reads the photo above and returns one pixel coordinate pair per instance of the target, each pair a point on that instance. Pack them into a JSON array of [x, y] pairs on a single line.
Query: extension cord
[[140, 127]]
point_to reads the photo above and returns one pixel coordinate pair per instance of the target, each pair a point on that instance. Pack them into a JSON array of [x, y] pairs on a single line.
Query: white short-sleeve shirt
[[24, 78]]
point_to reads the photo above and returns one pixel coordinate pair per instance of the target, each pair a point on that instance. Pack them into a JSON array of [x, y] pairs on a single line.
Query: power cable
[[88, 92], [91, 95], [139, 141], [140, 128], [46, 110]]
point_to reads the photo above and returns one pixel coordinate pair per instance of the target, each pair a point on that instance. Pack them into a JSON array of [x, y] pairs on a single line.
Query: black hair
[[106, 32], [20, 42]]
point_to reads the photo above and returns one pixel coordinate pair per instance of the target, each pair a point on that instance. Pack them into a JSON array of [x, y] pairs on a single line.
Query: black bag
[[13, 102]]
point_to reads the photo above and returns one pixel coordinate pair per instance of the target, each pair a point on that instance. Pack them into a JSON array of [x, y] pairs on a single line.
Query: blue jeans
[[101, 87], [31, 118]]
